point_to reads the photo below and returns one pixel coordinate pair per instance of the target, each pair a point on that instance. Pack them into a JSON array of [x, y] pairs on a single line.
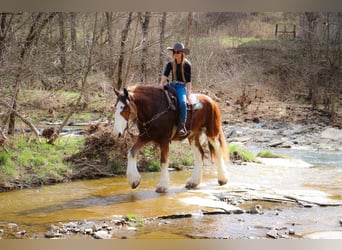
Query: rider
[[181, 80]]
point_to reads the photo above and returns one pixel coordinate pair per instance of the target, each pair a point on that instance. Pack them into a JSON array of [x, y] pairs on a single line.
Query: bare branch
[[35, 131]]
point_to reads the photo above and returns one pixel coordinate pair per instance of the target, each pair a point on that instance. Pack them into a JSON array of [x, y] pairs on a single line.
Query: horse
[[150, 108]]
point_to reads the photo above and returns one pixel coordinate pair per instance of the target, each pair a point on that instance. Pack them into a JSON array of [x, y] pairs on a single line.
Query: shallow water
[[34, 209]]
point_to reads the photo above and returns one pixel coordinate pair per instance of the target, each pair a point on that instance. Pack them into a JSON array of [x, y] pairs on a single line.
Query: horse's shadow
[[103, 201]]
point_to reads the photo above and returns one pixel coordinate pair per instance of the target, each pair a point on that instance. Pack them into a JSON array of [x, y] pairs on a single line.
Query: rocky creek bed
[[276, 198]]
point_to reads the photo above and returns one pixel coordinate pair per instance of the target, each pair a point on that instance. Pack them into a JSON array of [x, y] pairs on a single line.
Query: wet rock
[[332, 134], [275, 143], [51, 235], [12, 226], [96, 228], [273, 233], [341, 221], [291, 231], [132, 229], [21, 232], [102, 235], [88, 231], [175, 216], [232, 133], [255, 210]]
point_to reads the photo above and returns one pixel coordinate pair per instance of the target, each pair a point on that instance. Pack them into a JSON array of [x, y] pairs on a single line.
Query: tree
[[73, 33], [5, 25], [123, 41], [162, 26], [62, 46], [39, 22], [144, 21], [188, 32], [109, 21]]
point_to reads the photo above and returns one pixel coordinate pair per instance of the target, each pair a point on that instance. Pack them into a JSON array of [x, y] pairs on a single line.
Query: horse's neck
[[149, 102]]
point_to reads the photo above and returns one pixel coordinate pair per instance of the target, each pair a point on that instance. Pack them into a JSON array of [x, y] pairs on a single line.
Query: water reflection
[[108, 197]]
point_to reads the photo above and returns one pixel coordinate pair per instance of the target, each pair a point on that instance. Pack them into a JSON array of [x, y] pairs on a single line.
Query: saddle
[[170, 94]]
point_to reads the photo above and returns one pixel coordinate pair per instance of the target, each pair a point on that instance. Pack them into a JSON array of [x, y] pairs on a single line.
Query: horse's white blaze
[[196, 177], [222, 174], [133, 176], [119, 121], [164, 177]]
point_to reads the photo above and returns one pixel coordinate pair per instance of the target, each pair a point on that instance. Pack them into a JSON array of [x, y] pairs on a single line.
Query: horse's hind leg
[[198, 154], [164, 173], [222, 174], [133, 176]]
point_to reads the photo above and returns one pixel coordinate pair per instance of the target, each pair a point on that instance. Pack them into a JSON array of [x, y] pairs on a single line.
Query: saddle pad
[[196, 103]]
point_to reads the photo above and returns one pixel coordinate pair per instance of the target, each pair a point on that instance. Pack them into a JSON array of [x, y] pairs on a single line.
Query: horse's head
[[125, 111]]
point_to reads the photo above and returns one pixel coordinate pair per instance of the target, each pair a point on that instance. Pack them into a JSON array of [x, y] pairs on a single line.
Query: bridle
[[146, 124]]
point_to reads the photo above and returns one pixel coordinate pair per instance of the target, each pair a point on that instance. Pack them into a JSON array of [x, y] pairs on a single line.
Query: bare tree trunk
[[39, 23], [310, 20], [62, 46], [144, 21], [129, 60], [73, 33], [84, 94], [337, 82], [109, 21], [188, 33], [2, 35], [162, 25], [5, 25], [122, 50]]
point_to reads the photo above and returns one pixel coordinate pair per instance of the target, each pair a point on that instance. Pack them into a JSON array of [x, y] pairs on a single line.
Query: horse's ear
[[126, 93], [117, 92]]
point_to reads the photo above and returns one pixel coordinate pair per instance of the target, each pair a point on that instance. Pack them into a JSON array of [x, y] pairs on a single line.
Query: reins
[[154, 118]]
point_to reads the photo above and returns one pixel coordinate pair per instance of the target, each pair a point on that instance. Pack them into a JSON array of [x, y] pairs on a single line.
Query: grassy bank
[[29, 163]]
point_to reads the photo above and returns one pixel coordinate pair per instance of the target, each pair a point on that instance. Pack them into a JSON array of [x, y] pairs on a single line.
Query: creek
[[295, 200]]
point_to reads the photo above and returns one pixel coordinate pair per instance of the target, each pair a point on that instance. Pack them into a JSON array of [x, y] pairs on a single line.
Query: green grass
[[134, 220], [153, 166], [269, 154], [33, 162], [230, 41], [239, 153]]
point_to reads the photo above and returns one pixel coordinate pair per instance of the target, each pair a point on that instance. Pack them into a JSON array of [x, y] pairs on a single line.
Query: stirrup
[[182, 132]]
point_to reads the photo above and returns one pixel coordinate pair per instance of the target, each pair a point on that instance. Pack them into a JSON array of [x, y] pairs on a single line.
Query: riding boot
[[182, 130]]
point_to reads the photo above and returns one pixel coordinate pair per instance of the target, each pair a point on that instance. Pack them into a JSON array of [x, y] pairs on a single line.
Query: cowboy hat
[[180, 47]]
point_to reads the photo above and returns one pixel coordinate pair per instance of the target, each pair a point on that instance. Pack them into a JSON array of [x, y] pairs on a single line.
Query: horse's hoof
[[222, 182], [191, 185], [135, 184], [161, 190]]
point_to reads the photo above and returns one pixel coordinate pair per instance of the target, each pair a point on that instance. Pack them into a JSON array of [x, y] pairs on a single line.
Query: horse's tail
[[223, 146], [220, 137]]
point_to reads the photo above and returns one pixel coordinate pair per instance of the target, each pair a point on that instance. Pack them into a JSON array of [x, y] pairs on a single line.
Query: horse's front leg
[[163, 185], [133, 176]]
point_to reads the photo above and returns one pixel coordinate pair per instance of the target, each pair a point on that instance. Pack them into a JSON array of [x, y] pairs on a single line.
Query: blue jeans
[[181, 96]]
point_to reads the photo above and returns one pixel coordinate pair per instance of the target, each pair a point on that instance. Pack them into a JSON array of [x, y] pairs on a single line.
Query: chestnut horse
[[149, 107]]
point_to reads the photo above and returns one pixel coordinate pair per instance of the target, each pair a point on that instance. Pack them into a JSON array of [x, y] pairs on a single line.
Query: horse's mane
[[150, 90]]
